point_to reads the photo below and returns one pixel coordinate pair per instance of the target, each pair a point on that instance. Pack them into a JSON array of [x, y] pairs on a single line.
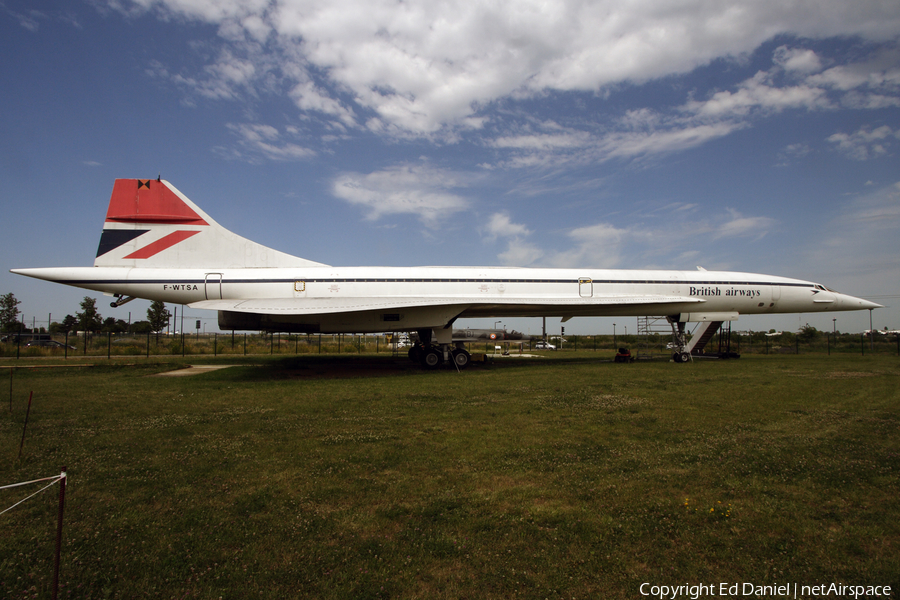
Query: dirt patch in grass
[[850, 374]]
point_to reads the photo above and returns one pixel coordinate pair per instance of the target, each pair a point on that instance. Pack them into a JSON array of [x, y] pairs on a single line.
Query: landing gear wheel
[[432, 358], [681, 357], [461, 358]]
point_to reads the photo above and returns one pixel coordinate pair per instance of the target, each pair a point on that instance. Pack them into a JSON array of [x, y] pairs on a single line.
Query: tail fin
[[151, 224]]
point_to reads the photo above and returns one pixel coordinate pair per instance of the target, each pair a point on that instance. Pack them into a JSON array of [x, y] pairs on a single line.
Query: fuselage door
[[585, 287], [213, 285]]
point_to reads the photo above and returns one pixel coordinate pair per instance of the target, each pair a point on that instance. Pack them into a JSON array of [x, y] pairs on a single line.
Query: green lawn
[[363, 477]]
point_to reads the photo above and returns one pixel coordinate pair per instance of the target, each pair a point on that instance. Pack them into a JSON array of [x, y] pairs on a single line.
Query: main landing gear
[[431, 355], [434, 356], [681, 354]]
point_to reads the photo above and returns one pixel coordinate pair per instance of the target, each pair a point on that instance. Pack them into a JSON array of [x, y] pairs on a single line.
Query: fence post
[[59, 531], [25, 427]]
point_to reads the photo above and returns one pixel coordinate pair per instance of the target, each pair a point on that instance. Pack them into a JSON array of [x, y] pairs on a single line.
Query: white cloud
[[865, 143], [500, 225], [308, 96], [416, 190], [791, 153], [759, 94], [520, 253], [30, 20], [426, 69], [740, 226], [598, 246], [260, 140], [674, 236], [797, 59]]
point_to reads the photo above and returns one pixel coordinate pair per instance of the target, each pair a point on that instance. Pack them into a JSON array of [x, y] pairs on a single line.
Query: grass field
[[363, 477]]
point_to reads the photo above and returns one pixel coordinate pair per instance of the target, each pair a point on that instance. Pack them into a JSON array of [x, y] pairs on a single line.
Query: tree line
[[88, 319]]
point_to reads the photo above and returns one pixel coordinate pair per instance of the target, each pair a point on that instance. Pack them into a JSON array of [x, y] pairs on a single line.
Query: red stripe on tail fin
[[162, 244], [148, 201]]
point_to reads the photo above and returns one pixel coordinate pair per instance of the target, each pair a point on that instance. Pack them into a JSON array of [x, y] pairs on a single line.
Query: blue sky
[[749, 136]]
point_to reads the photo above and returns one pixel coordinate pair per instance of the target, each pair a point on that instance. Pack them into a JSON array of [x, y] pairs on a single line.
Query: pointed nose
[[853, 303]]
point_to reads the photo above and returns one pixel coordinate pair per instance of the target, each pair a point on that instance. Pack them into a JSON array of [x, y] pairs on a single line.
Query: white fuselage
[[368, 299]]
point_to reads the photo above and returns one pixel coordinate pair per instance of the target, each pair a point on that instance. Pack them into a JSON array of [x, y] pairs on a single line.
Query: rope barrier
[[55, 478]]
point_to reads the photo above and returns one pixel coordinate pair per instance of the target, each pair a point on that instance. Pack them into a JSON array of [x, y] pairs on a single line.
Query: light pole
[[871, 332]]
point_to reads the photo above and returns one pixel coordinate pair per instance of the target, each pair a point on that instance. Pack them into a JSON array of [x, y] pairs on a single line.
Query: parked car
[[48, 344], [544, 346]]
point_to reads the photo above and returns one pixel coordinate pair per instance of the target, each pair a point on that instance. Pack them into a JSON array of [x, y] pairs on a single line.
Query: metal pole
[[25, 427], [872, 330], [59, 531]]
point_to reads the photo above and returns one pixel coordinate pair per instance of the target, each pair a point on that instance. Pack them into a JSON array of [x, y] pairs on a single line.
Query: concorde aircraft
[[157, 244]]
